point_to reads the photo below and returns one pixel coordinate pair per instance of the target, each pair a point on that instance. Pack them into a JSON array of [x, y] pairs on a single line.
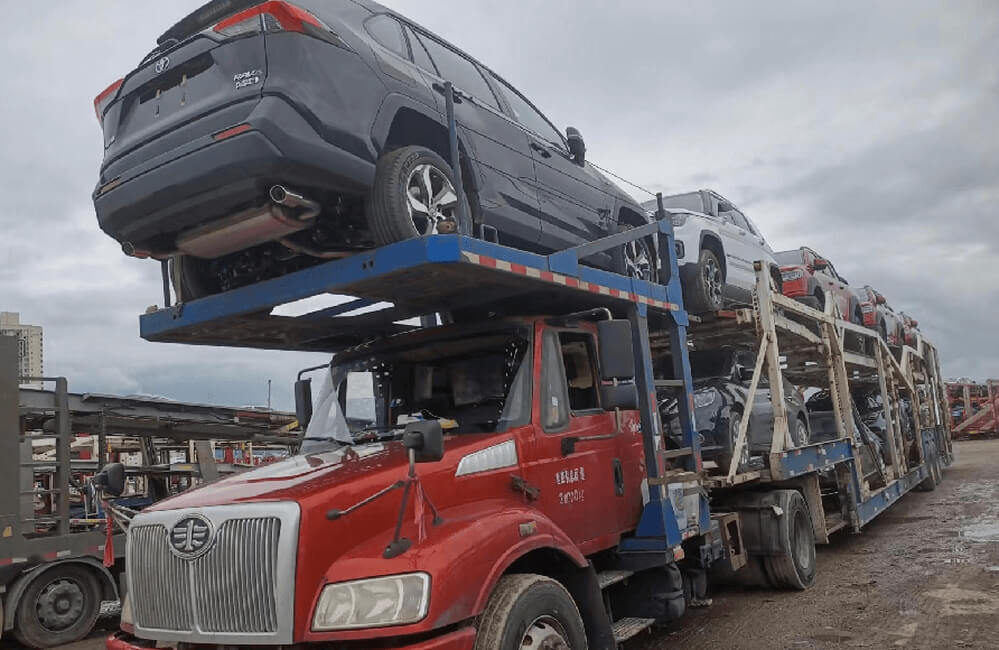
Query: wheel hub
[[638, 261], [59, 605], [545, 633], [431, 199], [712, 278]]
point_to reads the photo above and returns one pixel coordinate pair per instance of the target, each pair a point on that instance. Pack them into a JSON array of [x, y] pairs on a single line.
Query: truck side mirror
[[880, 300], [820, 264], [617, 359], [111, 479], [619, 396], [426, 439], [576, 145], [303, 402]]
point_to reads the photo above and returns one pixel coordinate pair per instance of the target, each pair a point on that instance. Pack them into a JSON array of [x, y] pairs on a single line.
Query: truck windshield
[[478, 384]]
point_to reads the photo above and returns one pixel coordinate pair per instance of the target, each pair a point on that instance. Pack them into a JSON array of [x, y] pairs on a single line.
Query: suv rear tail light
[[103, 100], [277, 15]]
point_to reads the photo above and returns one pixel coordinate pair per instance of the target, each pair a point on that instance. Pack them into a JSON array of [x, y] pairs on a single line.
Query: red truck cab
[[538, 469]]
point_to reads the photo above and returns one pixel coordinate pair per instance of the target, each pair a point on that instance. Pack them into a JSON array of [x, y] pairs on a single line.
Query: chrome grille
[[160, 581], [239, 590], [235, 580]]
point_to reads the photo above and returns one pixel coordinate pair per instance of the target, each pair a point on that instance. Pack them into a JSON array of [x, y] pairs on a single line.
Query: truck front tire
[[530, 611], [60, 606]]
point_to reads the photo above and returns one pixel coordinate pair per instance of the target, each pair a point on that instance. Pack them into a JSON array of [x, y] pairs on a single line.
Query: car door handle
[[542, 151]]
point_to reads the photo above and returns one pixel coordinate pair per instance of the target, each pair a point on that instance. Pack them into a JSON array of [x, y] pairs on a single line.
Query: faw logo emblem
[[191, 536]]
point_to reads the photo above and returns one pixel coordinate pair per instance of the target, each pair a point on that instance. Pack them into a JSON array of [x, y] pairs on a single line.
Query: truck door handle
[[542, 151]]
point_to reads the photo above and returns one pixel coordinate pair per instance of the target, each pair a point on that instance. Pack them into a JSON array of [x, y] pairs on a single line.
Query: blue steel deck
[[440, 273]]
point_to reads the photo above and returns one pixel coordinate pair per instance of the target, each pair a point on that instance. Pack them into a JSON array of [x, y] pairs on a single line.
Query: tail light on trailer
[[103, 100], [273, 16]]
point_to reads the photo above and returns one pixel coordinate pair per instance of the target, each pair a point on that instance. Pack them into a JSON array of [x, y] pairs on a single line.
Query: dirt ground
[[923, 575]]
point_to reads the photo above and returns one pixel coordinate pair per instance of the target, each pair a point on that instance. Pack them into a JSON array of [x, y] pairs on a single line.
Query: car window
[[387, 32], [790, 258], [581, 378], [750, 226], [554, 398], [528, 116], [420, 56], [459, 71], [740, 220]]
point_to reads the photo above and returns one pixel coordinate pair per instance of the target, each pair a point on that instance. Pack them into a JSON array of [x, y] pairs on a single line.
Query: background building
[[29, 346]]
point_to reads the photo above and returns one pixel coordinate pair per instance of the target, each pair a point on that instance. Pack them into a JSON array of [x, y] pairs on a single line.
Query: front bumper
[[462, 639], [795, 288]]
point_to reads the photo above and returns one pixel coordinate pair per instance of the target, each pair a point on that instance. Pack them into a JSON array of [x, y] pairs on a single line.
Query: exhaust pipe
[[281, 195], [287, 213]]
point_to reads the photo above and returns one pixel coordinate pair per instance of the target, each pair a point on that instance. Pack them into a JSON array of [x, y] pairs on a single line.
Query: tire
[[724, 459], [883, 331], [190, 278], [60, 606], [703, 284], [526, 604], [794, 567], [857, 318], [408, 181], [637, 260], [810, 301], [930, 483], [799, 434]]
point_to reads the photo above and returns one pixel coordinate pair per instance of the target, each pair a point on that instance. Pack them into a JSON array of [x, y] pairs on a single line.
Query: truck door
[[581, 481]]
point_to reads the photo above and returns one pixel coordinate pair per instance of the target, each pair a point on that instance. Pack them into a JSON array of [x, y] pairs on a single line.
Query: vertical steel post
[[464, 223], [63, 433], [647, 404], [10, 429], [102, 442], [165, 275]]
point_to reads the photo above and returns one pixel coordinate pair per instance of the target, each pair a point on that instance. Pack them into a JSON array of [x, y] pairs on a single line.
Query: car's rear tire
[[412, 196], [724, 458], [59, 606], [810, 301], [191, 278], [703, 283], [530, 611]]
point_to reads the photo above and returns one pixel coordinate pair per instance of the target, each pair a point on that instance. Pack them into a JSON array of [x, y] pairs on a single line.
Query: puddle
[[987, 531]]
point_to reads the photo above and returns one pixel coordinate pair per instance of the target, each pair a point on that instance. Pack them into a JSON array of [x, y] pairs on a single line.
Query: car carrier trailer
[[56, 571], [599, 517]]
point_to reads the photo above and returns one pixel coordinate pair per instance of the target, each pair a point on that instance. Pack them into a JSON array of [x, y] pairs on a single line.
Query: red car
[[910, 327], [812, 280], [878, 315]]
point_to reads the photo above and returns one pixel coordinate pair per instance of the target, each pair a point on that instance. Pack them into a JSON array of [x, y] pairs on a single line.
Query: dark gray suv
[[258, 138]]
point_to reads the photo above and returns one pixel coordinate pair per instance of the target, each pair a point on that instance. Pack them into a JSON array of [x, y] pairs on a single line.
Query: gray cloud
[[863, 130]]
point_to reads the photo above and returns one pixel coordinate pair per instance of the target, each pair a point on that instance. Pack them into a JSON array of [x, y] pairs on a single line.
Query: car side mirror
[[880, 300], [818, 264], [744, 373], [425, 439], [619, 396], [617, 360], [576, 145], [111, 479], [303, 402]]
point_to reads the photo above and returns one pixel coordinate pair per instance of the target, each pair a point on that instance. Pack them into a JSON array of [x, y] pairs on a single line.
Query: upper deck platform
[[387, 285]]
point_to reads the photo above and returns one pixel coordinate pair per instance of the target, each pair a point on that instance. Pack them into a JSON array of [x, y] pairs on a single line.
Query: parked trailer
[[571, 518], [56, 575], [973, 408]]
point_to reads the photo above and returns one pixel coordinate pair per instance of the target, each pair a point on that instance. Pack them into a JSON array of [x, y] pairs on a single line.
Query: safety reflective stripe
[[565, 280]]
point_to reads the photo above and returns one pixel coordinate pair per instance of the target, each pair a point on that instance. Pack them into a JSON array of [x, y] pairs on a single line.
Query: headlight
[[374, 602], [796, 274], [867, 308], [679, 220], [707, 398]]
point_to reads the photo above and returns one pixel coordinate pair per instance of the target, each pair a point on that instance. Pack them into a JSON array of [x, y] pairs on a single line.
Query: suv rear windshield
[[790, 258]]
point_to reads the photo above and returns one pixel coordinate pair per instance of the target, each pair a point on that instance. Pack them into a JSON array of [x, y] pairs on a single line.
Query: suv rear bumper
[[206, 179]]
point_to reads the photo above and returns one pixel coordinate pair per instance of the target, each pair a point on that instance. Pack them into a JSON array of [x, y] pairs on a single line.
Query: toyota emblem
[[191, 536], [162, 64]]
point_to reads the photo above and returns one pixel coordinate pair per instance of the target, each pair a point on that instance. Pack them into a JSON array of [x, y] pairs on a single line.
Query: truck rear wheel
[[60, 606], [794, 567], [530, 612]]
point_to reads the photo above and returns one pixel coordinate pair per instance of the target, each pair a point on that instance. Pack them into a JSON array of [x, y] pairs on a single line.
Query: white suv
[[716, 247]]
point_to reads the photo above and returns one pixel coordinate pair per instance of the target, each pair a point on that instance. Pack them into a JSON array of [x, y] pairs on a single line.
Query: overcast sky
[[865, 130]]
